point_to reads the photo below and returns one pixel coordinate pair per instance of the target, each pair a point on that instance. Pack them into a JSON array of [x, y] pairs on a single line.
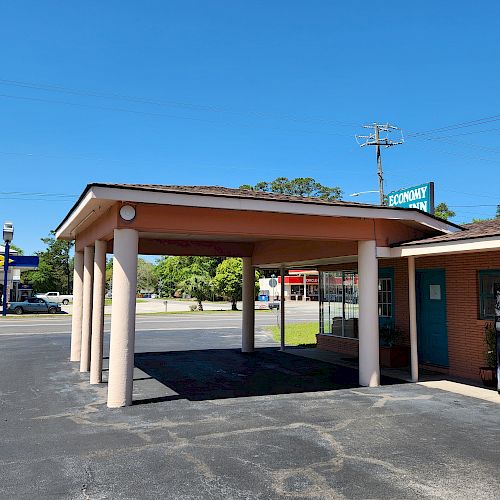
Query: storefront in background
[[299, 285]]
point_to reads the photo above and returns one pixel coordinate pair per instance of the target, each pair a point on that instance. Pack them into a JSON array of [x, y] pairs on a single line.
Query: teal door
[[431, 317]]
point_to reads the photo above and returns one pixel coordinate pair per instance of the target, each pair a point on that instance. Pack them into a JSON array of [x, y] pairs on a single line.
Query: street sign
[[21, 260], [421, 197], [273, 282]]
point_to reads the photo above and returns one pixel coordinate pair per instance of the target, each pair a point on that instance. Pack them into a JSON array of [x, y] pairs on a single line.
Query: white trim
[[445, 247], [69, 222], [226, 202]]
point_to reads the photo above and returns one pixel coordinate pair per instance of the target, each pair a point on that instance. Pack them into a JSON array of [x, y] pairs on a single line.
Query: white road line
[[15, 334]]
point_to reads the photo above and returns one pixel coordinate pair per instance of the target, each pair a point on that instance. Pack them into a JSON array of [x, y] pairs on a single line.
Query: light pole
[[363, 192], [8, 234]]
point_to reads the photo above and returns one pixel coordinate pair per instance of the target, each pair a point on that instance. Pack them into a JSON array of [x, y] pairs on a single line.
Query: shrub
[[490, 339], [389, 335]]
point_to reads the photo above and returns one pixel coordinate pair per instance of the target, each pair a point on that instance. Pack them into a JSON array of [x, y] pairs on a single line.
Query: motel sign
[[421, 197]]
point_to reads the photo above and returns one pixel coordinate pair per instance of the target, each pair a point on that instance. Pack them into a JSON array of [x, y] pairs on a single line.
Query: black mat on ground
[[228, 373]]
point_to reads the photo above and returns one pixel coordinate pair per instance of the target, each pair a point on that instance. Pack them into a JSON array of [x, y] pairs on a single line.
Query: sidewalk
[[176, 305], [427, 378]]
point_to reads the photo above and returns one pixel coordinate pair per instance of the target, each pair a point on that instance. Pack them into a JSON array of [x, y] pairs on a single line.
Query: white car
[[56, 297]]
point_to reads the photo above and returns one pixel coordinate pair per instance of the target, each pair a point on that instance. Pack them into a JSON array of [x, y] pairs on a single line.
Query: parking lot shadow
[[229, 373]]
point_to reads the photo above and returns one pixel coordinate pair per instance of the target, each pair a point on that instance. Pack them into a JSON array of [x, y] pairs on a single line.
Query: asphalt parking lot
[[212, 423]]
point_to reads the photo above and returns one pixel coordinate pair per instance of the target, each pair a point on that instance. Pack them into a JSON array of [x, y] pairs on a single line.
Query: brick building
[[455, 276]]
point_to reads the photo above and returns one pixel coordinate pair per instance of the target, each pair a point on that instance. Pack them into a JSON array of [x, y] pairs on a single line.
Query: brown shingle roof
[[251, 194], [231, 193], [473, 230]]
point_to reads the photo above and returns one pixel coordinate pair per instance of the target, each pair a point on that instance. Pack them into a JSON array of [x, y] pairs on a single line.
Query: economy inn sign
[[421, 197]]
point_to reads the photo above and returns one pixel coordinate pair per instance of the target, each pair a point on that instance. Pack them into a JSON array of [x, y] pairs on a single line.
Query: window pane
[[385, 297], [487, 285]]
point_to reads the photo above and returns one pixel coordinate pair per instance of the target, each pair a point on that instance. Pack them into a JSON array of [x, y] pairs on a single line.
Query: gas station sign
[[30, 261]]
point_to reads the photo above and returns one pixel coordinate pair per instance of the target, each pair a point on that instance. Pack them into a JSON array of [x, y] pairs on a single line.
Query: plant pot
[[394, 357], [488, 376]]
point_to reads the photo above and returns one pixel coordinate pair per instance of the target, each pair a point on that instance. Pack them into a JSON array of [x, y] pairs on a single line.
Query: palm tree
[[197, 286]]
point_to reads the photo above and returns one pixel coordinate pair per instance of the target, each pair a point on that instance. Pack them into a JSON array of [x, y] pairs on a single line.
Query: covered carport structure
[[265, 229]]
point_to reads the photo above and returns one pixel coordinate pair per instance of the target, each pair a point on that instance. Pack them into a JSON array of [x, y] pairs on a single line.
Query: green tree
[[198, 287], [171, 271], [228, 280], [300, 186], [109, 274], [17, 249], [147, 279], [497, 215], [443, 212], [55, 268]]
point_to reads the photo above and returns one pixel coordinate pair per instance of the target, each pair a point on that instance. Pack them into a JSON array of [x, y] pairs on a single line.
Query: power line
[[455, 126], [460, 155], [36, 193], [471, 206], [160, 115], [470, 132], [212, 108], [32, 199], [461, 143], [169, 103]]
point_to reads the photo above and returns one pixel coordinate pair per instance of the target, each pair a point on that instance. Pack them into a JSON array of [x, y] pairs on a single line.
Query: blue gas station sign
[[25, 261], [22, 261]]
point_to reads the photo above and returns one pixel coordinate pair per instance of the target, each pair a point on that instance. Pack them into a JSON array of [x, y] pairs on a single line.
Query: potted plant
[[391, 354], [489, 372]]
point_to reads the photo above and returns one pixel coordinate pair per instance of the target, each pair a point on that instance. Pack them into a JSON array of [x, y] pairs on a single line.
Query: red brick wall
[[337, 344]]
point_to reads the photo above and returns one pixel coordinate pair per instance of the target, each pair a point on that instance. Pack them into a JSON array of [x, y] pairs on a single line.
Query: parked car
[[35, 305], [56, 297]]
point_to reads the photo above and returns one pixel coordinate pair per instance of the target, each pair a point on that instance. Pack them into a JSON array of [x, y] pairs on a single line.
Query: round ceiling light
[[127, 212]]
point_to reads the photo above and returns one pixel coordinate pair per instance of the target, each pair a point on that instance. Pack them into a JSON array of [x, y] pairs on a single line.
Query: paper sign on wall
[[435, 292]]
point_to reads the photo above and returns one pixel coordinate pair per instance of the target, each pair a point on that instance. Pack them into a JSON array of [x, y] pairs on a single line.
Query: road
[[61, 324]]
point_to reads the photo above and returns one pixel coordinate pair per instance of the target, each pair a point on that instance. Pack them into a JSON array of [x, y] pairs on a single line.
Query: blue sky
[[232, 92]]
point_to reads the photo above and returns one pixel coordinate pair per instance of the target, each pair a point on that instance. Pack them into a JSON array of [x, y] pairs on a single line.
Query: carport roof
[[97, 197]]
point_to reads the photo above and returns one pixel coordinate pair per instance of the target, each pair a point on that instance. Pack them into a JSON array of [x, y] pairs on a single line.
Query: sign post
[[272, 283], [5, 278]]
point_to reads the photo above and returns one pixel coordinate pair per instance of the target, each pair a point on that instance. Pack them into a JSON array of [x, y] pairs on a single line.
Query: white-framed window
[[385, 297]]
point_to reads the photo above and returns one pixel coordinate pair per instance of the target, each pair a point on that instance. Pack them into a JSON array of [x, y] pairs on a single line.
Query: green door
[[431, 317]]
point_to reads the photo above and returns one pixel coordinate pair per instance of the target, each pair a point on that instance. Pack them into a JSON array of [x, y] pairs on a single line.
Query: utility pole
[[374, 139]]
